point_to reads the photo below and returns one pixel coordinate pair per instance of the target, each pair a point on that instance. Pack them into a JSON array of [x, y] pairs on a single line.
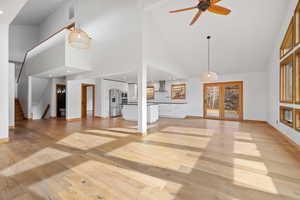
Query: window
[[297, 77], [150, 92], [297, 120], [178, 91], [286, 80], [287, 116], [288, 42], [297, 25]]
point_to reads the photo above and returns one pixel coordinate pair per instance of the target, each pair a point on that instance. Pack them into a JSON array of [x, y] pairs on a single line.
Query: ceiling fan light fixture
[[203, 6]]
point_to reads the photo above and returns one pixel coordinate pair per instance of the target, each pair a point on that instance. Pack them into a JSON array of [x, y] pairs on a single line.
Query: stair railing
[[69, 27]]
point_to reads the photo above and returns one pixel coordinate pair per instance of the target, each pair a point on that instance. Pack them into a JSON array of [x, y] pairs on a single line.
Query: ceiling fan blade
[[196, 17], [185, 9], [219, 10], [215, 1]]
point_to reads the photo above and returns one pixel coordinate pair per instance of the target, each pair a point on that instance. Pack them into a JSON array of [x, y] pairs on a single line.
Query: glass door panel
[[232, 101], [297, 77], [212, 102], [289, 82], [223, 101]]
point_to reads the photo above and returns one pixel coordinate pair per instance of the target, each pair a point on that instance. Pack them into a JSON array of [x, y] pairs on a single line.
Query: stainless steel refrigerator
[[115, 101]]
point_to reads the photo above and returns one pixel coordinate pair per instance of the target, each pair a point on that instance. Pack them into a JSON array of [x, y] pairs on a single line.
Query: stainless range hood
[[162, 86]]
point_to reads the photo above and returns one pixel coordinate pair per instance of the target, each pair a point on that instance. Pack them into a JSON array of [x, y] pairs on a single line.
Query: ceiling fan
[[203, 6]]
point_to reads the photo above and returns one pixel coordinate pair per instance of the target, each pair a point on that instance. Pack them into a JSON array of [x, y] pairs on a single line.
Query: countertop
[[153, 103], [135, 104], [168, 102]]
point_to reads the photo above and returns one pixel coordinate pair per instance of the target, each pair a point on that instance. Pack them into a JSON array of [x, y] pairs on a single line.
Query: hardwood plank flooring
[[182, 159]]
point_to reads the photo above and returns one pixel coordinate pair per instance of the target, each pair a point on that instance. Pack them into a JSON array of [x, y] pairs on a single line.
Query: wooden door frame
[[83, 86], [56, 107], [221, 99]]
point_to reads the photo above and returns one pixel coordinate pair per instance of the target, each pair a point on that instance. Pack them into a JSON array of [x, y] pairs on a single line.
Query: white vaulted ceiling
[[36, 11], [241, 42], [10, 10]]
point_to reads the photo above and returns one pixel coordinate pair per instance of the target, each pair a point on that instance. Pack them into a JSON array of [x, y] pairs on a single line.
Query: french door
[[223, 101]]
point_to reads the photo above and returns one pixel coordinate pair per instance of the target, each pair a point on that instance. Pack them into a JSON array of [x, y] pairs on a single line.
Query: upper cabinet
[[288, 42]]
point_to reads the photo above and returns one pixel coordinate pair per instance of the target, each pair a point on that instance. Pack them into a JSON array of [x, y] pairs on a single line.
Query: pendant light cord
[[77, 24], [208, 60]]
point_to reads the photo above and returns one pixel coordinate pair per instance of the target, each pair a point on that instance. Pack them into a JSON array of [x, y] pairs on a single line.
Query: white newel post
[[142, 100]]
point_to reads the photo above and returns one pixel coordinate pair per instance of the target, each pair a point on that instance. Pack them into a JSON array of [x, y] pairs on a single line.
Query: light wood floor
[[181, 159]]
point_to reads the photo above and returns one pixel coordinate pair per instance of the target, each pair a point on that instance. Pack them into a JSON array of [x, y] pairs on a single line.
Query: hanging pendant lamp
[[209, 76], [78, 38]]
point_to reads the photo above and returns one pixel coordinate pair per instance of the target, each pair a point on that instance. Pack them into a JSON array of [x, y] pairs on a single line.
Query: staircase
[[19, 115]]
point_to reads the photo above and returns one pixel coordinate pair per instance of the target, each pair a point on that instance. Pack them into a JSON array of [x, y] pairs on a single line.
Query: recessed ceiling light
[[1, 12], [68, 71]]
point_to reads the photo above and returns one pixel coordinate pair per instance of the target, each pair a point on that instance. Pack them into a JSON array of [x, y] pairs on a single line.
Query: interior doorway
[[61, 101], [223, 101], [88, 101]]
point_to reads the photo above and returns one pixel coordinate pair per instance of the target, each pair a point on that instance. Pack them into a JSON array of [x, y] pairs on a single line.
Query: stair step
[[19, 115]]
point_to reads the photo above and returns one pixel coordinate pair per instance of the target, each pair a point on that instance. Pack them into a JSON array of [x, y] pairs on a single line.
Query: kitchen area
[[164, 99]]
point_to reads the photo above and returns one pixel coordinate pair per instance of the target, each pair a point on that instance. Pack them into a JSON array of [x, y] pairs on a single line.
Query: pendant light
[[78, 38], [209, 76]]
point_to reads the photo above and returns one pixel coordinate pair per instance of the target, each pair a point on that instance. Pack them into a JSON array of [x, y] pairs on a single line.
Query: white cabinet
[[173, 110], [130, 112]]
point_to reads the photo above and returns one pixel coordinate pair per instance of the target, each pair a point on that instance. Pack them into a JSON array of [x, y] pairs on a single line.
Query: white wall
[[102, 95], [90, 99], [4, 66], [255, 94], [274, 103], [40, 96], [21, 39], [57, 20], [73, 97], [11, 94], [39, 61], [155, 48]]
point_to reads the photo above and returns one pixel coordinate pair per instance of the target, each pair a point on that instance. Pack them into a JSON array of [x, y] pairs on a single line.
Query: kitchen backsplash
[[159, 96]]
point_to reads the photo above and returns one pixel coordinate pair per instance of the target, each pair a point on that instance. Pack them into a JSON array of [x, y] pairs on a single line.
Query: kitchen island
[[156, 110], [130, 112]]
